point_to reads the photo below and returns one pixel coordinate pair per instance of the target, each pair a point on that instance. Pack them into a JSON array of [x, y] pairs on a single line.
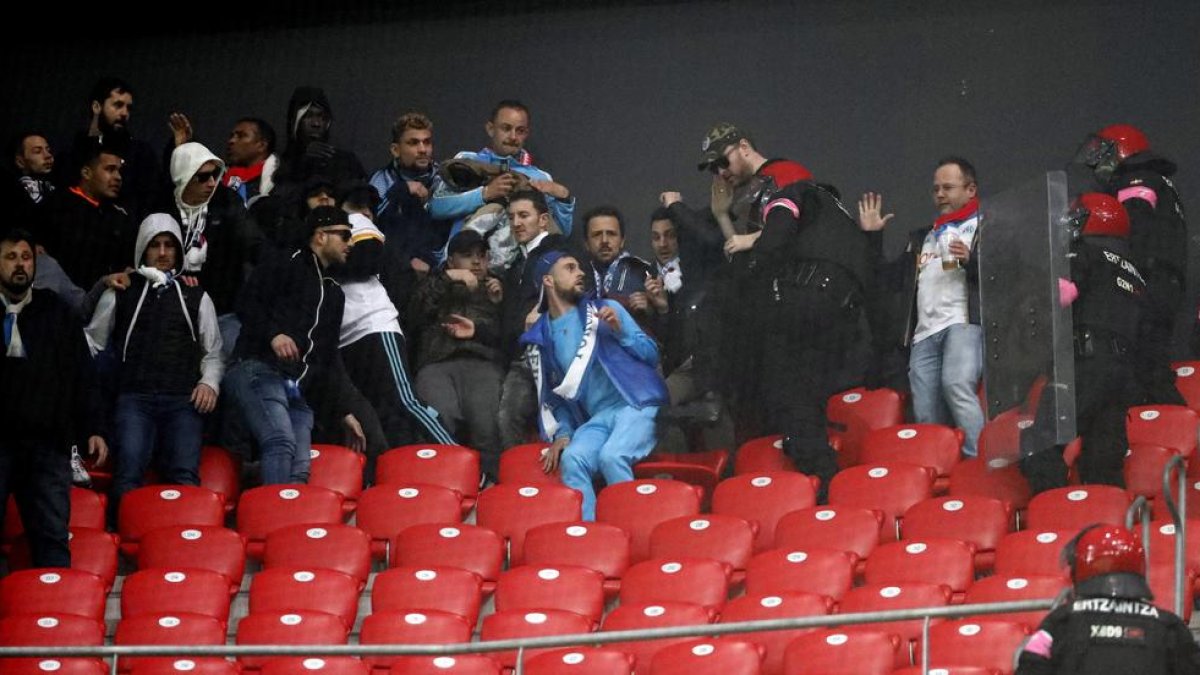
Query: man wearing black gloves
[[309, 151]]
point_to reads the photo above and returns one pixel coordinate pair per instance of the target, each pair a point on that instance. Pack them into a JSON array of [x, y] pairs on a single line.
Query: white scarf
[[573, 379], [16, 348], [671, 274]]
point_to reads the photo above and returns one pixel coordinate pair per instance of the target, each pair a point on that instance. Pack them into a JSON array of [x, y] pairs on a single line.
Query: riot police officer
[[1105, 293], [1109, 626], [1123, 163]]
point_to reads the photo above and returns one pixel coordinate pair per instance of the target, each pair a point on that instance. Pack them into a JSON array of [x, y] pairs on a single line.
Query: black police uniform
[[1159, 241], [1110, 628], [817, 267], [1106, 315]]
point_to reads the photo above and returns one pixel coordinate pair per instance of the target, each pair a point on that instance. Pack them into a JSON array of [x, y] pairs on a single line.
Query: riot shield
[[1029, 368]]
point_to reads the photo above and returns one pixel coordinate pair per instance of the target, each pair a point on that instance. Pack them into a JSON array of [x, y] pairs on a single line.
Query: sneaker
[[79, 472]]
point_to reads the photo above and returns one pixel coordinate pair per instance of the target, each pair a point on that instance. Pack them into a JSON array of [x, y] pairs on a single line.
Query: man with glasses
[[287, 353], [942, 327], [212, 220]]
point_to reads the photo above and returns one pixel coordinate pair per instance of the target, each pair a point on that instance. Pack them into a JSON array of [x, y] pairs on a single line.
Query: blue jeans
[[280, 423], [165, 427], [609, 444], [230, 327], [944, 371]]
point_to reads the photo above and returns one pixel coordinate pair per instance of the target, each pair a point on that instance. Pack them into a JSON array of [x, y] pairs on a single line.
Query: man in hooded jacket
[[309, 151], [163, 332]]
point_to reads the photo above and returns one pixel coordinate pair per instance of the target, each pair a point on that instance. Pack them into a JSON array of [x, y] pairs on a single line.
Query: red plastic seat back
[[50, 630], [947, 562], [656, 615], [821, 571], [87, 510], [1170, 426], [525, 624], [154, 506], [695, 580], [882, 597], [448, 589], [263, 510], [52, 590], [710, 655], [337, 547], [452, 466], [469, 547], [386, 510], [775, 606], [575, 589], [288, 628], [511, 510], [1033, 553], [980, 521], [584, 661], [841, 528], [522, 465], [854, 413], [221, 472], [933, 445], [340, 469], [157, 591], [424, 627], [998, 588], [598, 546], [890, 487], [976, 642], [726, 539], [213, 548], [315, 589], [1004, 482], [637, 506], [764, 498], [1074, 508], [762, 455], [834, 652]]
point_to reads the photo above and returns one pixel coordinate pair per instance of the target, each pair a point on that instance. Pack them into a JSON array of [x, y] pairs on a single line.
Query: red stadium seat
[[1033, 553], [976, 642], [1076, 507], [385, 510], [856, 530], [1170, 426], [932, 445], [291, 628], [955, 670], [881, 597], [53, 590], [212, 548], [598, 546], [1143, 468], [161, 591], [1162, 583], [854, 413], [184, 666], [786, 605], [979, 521], [176, 628], [87, 510], [632, 616], [340, 469], [702, 469], [695, 580], [726, 539], [326, 665], [1005, 482], [154, 506], [762, 455], [710, 656], [283, 590], [575, 589], [221, 472], [833, 652], [1162, 542], [452, 466], [998, 588], [763, 499], [341, 548], [590, 661], [92, 551], [637, 506], [890, 487], [469, 547], [1188, 382], [448, 589], [50, 630], [510, 510], [52, 666], [461, 664], [424, 627], [522, 624], [821, 571], [947, 562], [522, 464], [265, 509]]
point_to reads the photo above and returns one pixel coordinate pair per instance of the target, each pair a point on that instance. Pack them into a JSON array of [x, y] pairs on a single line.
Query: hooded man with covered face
[[215, 242], [309, 151], [168, 350]]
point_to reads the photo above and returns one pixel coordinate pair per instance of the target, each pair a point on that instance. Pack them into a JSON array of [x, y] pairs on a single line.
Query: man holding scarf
[[946, 338], [596, 374]]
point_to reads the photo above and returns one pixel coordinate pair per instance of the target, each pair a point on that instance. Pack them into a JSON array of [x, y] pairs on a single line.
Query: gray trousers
[[466, 394]]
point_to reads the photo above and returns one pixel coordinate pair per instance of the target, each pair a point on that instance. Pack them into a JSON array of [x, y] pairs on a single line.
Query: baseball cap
[[719, 138]]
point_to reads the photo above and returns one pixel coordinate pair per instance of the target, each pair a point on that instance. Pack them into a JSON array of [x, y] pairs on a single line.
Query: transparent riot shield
[[1029, 368]]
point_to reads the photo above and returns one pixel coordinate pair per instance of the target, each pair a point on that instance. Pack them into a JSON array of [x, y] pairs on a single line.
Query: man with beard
[[615, 273], [405, 186], [309, 151], [110, 106], [250, 159], [598, 385], [44, 368]]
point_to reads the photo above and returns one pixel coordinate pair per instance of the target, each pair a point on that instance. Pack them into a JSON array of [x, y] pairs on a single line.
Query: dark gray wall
[[867, 94]]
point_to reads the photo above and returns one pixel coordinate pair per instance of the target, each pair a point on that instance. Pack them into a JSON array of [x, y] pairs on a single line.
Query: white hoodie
[[186, 160]]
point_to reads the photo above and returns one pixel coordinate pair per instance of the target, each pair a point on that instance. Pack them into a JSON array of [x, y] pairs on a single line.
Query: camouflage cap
[[718, 139]]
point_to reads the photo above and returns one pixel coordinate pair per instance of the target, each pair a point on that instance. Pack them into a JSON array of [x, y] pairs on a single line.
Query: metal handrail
[[702, 630], [1177, 465], [1140, 505]]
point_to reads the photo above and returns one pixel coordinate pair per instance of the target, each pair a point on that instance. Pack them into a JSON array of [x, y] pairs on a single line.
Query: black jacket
[[88, 239], [436, 298], [230, 245], [521, 293]]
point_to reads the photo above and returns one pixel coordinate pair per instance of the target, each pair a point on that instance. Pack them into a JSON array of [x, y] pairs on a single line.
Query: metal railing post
[[113, 669], [925, 647], [1179, 518], [1140, 506], [520, 669]]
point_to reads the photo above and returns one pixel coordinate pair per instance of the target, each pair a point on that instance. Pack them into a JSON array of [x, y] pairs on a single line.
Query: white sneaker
[[79, 473]]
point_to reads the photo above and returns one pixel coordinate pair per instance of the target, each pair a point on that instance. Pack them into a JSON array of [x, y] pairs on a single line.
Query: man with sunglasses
[[212, 220], [806, 279], [287, 353], [939, 294]]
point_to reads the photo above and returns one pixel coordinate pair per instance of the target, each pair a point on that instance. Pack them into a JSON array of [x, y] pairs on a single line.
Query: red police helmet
[[1106, 549], [1129, 139], [1100, 215]]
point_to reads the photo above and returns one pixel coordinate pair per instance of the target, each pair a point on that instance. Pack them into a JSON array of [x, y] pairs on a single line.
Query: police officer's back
[[1109, 626]]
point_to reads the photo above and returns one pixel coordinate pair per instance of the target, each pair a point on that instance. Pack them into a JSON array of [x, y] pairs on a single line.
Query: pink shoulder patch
[[782, 202], [1138, 192], [1040, 644]]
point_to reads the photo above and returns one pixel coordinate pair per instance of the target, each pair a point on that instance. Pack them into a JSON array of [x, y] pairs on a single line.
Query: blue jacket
[[629, 362], [446, 204], [407, 225]]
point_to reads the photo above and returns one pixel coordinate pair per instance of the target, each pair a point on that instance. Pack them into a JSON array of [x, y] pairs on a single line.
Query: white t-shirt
[[368, 308], [942, 294]]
